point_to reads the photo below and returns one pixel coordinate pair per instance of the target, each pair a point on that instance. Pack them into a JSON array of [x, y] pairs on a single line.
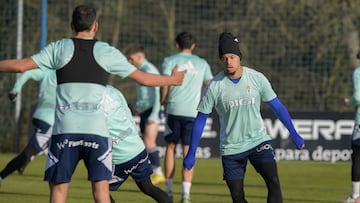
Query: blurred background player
[[355, 140], [148, 108], [129, 157], [236, 94], [181, 103], [42, 118]]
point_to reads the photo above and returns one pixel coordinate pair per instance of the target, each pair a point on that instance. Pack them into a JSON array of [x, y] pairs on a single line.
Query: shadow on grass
[[223, 183], [212, 194], [37, 196], [30, 175], [25, 195], [306, 200]]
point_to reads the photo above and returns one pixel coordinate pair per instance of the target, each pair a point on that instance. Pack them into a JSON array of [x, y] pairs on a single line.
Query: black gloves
[[12, 96]]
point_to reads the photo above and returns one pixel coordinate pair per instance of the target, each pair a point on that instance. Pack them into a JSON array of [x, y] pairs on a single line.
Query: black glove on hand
[[12, 96]]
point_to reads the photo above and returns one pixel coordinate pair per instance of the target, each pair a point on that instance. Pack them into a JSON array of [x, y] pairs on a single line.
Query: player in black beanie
[[236, 93], [229, 44]]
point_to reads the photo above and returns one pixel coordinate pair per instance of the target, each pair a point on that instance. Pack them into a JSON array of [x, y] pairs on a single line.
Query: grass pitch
[[302, 182]]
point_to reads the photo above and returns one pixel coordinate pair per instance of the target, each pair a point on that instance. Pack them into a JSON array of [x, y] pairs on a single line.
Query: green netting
[[306, 48]]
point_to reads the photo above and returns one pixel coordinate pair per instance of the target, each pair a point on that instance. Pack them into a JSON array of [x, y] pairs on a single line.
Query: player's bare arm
[[163, 94], [149, 79], [17, 65]]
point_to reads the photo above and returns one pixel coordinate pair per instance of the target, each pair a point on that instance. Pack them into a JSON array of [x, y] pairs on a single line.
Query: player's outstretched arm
[[17, 65], [282, 113], [199, 124], [149, 79]]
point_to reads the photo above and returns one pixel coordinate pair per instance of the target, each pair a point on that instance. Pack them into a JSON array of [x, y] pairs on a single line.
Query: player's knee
[[236, 188], [273, 185], [171, 146], [30, 151], [274, 181], [145, 186]]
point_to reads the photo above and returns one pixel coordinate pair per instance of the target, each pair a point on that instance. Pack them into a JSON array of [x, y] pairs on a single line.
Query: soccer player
[[181, 102], [236, 94], [148, 108], [80, 132], [130, 157], [42, 118], [355, 140]]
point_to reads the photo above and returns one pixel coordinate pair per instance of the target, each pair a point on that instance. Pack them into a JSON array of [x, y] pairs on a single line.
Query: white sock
[[157, 171], [169, 183], [355, 189], [186, 188]]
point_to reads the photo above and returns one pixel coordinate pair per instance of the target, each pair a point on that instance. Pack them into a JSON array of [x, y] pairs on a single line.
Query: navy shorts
[[234, 166], [143, 119], [66, 150], [41, 135], [139, 168], [180, 128], [355, 139]]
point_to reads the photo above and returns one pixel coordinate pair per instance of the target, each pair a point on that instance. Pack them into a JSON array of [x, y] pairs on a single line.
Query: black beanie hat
[[228, 43]]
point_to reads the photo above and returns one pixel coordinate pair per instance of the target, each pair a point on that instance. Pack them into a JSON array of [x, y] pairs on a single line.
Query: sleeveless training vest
[[82, 67]]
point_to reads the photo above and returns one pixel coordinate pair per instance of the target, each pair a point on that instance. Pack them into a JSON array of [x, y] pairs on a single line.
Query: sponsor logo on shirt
[[189, 67], [239, 102]]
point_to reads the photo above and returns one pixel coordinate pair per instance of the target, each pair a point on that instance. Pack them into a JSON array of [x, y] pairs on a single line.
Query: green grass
[[302, 182]]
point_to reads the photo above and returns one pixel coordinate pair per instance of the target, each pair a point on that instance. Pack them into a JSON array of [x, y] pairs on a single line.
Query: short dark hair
[[134, 48], [185, 40], [83, 18]]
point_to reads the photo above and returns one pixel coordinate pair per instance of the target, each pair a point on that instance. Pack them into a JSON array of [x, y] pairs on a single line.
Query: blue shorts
[[139, 168], [180, 128], [41, 135], [66, 150], [234, 166], [144, 119]]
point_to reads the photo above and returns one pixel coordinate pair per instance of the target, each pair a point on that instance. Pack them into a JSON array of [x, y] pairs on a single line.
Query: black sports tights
[[156, 193], [269, 173], [19, 162], [236, 188], [355, 163], [151, 190]]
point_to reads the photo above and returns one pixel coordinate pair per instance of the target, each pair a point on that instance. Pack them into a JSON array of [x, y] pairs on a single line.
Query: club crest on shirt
[[248, 89]]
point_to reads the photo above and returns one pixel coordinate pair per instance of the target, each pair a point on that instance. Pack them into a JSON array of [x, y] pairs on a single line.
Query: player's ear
[[96, 26], [193, 46]]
